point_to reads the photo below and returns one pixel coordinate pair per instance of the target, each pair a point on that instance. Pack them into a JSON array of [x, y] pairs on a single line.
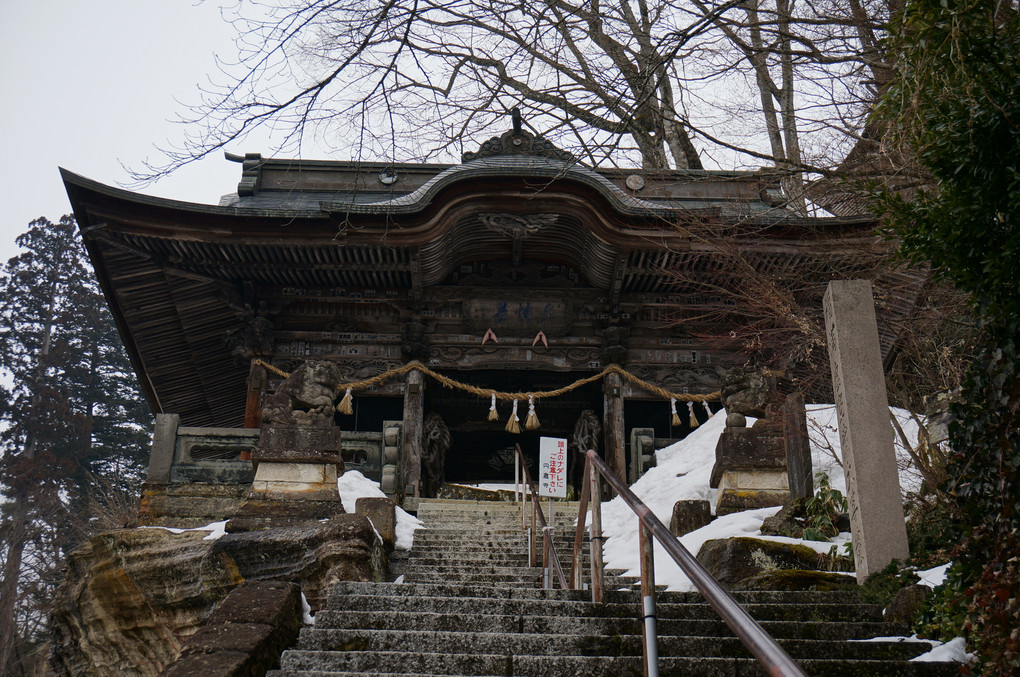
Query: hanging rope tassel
[[708, 409], [694, 419], [513, 423], [345, 406], [493, 414], [532, 421], [675, 422]]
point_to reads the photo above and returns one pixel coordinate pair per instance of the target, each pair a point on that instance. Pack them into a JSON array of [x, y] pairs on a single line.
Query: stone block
[[689, 516], [865, 433], [274, 603], [383, 515], [299, 456], [269, 512], [307, 473], [164, 442], [750, 489], [290, 438], [748, 448], [391, 455], [245, 635], [188, 505]]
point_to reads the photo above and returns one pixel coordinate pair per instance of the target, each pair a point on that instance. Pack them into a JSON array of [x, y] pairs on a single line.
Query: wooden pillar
[[615, 453], [414, 414], [257, 380], [798, 447]]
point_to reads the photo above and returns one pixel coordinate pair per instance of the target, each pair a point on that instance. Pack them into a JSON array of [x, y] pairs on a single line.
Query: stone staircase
[[470, 605]]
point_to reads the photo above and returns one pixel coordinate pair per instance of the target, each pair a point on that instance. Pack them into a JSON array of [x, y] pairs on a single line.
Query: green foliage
[[986, 488], [945, 613], [881, 586], [927, 518], [823, 510], [956, 105]]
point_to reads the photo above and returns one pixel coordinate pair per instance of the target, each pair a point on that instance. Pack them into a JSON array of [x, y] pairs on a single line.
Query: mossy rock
[[733, 559], [798, 579]]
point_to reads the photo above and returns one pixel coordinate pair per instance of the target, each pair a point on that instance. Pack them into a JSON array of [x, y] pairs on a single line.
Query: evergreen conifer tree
[[71, 412]]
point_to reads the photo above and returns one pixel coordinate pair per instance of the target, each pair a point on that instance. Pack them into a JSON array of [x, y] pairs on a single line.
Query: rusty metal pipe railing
[[762, 646], [576, 565], [548, 549]]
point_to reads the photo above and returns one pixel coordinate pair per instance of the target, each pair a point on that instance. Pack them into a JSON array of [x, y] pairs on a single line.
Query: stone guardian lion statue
[[305, 398]]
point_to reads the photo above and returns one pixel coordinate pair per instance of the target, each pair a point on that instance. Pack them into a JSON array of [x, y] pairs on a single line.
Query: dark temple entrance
[[482, 450]]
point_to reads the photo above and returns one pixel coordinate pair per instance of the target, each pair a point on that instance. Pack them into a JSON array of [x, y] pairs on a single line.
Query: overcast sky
[[91, 85]]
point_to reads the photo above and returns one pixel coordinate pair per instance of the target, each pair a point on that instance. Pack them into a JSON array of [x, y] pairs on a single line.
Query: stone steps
[[471, 606]]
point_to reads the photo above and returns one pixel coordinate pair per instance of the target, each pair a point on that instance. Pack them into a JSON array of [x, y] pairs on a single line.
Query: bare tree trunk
[[766, 87], [16, 538], [793, 183]]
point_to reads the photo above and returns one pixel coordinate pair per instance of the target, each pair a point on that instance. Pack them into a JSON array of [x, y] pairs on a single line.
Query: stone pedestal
[[296, 470], [750, 468], [865, 433], [688, 516]]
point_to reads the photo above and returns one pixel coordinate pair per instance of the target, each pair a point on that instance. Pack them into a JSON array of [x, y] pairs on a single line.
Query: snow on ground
[[683, 471], [953, 650], [934, 576], [215, 529], [353, 485]]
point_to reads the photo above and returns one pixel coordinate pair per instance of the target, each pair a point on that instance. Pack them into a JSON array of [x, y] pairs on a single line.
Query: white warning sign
[[552, 470]]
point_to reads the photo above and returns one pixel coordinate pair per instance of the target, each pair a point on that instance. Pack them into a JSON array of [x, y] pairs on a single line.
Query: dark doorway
[[482, 450]]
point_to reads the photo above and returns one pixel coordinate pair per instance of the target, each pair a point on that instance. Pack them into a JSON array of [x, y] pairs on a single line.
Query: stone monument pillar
[[298, 459], [873, 489]]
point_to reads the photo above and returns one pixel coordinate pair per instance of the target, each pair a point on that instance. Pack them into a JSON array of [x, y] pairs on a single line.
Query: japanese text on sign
[[552, 467]]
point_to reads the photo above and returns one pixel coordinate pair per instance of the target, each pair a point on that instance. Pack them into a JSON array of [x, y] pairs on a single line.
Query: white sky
[[90, 85]]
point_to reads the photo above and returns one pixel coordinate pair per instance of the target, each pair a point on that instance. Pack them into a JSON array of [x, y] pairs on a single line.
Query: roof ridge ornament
[[518, 142]]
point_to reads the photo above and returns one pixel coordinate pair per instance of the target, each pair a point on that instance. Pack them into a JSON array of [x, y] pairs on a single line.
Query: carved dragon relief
[[516, 226], [456, 356], [676, 378]]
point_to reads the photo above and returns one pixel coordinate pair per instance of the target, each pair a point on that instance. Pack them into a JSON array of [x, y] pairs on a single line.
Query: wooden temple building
[[518, 269]]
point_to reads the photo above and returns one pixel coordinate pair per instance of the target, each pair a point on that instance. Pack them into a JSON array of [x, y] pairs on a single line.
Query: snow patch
[[216, 529], [306, 611], [953, 650], [934, 576], [683, 471], [353, 485]]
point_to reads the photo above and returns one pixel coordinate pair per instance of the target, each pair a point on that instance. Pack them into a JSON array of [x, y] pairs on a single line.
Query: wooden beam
[[615, 451], [257, 379], [414, 416]]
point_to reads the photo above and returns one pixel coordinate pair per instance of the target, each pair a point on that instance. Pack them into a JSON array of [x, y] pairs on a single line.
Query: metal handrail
[[762, 646], [549, 549]]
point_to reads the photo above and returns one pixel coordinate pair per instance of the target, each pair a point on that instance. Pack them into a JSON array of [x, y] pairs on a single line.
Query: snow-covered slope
[[683, 471]]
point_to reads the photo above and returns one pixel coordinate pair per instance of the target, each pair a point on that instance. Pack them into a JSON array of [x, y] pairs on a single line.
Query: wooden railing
[[763, 647]]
